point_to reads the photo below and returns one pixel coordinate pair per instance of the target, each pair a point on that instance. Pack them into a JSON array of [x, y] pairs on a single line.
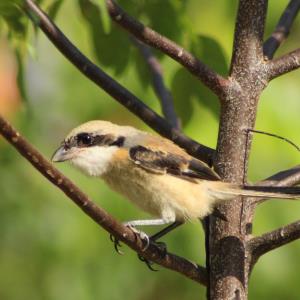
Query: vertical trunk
[[229, 258], [229, 268], [228, 254]]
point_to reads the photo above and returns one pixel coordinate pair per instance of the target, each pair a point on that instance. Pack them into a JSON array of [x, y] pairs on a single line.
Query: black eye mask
[[85, 139]]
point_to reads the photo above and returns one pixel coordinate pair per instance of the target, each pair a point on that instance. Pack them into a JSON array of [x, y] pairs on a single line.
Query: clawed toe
[[162, 248], [143, 236], [147, 262], [117, 244], [146, 240]]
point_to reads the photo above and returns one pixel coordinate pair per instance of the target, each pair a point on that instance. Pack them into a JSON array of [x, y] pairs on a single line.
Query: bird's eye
[[84, 139]]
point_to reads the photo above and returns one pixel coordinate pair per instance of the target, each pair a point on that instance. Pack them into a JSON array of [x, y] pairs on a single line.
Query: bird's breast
[[161, 195]]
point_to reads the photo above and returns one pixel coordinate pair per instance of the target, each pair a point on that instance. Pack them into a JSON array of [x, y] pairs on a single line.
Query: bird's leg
[[161, 245], [144, 236], [165, 230], [132, 225]]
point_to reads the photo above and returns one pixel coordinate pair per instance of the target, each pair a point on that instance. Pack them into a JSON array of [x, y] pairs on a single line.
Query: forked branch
[[100, 216], [113, 88], [210, 78]]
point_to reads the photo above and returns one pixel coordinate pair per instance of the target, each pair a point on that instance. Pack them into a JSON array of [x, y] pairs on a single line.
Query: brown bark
[[229, 266]]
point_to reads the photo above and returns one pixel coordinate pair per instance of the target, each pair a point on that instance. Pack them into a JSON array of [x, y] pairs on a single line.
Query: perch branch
[[210, 78], [273, 240], [162, 92], [113, 88], [284, 64], [100, 216], [282, 29]]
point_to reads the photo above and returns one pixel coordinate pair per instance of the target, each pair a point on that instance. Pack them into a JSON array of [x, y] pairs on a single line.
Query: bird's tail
[[228, 191]]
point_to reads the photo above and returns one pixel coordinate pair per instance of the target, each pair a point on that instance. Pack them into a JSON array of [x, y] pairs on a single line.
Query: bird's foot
[[117, 244], [142, 235], [163, 250], [145, 238]]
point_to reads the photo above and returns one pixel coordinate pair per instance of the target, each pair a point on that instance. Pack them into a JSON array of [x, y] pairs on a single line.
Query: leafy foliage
[[187, 89]]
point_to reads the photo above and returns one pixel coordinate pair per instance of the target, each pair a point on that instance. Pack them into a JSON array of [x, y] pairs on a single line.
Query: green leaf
[[105, 18], [187, 91], [210, 52], [12, 14], [142, 69], [54, 8], [167, 17], [182, 90], [186, 88], [20, 74], [112, 49]]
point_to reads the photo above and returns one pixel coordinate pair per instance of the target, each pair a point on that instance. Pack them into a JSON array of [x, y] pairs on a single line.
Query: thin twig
[[284, 178], [284, 64], [287, 177], [273, 240], [100, 216], [162, 92], [276, 136], [113, 88], [210, 78], [282, 29]]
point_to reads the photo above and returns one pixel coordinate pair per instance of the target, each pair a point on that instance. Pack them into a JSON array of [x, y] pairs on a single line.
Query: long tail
[[264, 191], [225, 191]]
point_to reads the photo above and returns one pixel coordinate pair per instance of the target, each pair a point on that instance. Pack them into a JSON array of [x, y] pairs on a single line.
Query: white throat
[[94, 161]]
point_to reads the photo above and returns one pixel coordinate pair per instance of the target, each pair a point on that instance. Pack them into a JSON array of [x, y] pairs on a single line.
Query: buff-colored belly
[[164, 196]]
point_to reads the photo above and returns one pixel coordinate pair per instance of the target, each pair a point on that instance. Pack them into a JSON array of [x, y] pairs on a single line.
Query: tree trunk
[[229, 263]]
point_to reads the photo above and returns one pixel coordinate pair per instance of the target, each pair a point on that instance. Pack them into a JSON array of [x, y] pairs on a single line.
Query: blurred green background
[[48, 248]]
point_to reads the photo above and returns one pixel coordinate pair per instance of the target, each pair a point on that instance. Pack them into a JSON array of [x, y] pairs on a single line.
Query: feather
[[160, 162]]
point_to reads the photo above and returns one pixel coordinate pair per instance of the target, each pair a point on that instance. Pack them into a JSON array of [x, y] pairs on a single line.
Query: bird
[[155, 174]]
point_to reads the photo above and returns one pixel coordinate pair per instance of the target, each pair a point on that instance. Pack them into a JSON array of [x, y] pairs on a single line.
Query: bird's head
[[92, 145]]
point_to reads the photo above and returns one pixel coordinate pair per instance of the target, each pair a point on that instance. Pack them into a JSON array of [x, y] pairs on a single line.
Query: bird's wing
[[161, 162]]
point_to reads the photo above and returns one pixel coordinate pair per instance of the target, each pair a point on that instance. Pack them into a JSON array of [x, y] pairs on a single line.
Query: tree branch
[[284, 64], [273, 240], [163, 94], [210, 78], [100, 216], [287, 177], [284, 235], [282, 29], [113, 88], [248, 37], [283, 178]]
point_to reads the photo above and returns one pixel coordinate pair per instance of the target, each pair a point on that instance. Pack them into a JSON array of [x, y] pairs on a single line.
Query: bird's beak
[[62, 154]]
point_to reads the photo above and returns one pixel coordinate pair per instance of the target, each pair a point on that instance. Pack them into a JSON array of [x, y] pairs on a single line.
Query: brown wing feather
[[160, 162]]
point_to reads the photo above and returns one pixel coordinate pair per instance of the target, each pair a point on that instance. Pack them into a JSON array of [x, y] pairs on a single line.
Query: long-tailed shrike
[[154, 173]]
